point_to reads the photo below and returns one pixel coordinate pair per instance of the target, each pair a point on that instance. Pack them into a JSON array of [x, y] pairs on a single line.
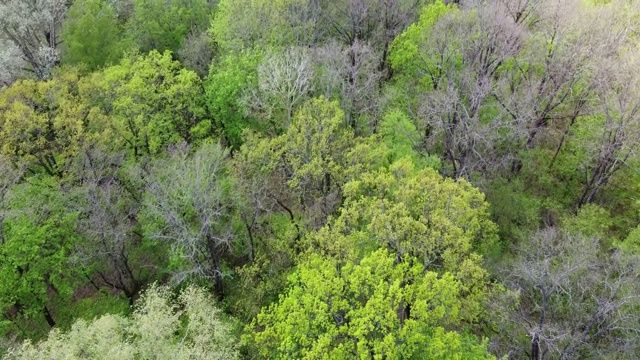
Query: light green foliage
[[163, 25], [402, 138], [161, 327], [591, 221], [92, 35], [378, 307], [418, 213], [42, 122], [150, 102], [228, 79], [407, 54], [314, 158], [38, 234], [289, 185]]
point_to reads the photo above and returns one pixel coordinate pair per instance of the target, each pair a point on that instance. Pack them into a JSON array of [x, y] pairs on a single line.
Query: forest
[[319, 179]]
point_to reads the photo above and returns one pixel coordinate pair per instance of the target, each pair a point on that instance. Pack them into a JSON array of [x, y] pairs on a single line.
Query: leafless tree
[[373, 22], [284, 81], [553, 92], [576, 300], [459, 115], [190, 205], [616, 86], [353, 75], [11, 63], [107, 222]]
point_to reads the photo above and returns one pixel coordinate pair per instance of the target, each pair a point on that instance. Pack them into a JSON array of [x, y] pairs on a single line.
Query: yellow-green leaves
[[42, 122], [150, 102], [379, 307]]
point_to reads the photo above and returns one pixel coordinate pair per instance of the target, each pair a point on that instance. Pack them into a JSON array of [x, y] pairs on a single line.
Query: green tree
[[36, 271], [161, 327], [163, 25], [377, 307], [229, 78], [148, 102], [42, 123], [443, 223], [92, 35]]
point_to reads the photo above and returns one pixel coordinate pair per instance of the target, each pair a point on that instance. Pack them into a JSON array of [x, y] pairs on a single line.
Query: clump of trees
[[303, 179]]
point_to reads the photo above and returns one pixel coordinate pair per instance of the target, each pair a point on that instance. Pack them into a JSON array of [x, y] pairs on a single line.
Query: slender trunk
[[48, 317]]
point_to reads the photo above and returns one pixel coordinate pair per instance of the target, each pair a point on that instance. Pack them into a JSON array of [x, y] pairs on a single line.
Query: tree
[[577, 300], [111, 245], [305, 168], [617, 127], [33, 27], [161, 327], [442, 223], [355, 310], [284, 80], [188, 206], [458, 70], [35, 271], [229, 79], [288, 186], [258, 24], [42, 123], [148, 102], [351, 74], [11, 62], [164, 25], [92, 35], [372, 22]]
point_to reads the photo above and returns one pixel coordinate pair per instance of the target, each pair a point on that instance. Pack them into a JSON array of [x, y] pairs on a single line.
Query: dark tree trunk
[[47, 315]]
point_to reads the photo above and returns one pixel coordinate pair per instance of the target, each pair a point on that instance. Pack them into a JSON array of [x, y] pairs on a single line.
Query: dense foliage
[[372, 179]]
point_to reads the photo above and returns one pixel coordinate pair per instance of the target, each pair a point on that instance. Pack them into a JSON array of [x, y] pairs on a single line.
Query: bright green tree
[[42, 123], [35, 271], [229, 78], [377, 307], [148, 102], [443, 223]]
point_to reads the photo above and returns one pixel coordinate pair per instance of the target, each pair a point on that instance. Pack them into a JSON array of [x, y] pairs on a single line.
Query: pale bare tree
[[458, 115], [189, 207], [577, 301], [284, 81], [352, 73], [11, 63], [616, 130], [373, 22]]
